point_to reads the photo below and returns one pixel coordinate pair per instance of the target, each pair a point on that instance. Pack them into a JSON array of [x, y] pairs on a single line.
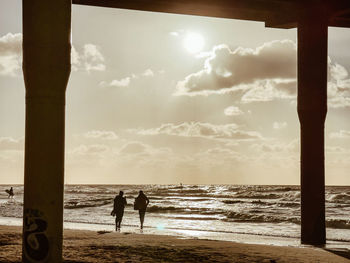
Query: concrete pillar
[[312, 110], [46, 68]]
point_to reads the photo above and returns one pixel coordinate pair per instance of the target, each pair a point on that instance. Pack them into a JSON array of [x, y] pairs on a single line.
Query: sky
[[167, 99]]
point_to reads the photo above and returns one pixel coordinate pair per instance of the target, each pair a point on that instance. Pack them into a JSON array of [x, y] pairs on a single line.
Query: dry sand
[[92, 246]]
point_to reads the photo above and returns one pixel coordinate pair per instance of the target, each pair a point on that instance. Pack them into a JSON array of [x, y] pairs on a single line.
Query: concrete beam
[[312, 110], [46, 69], [340, 22], [275, 13], [255, 10]]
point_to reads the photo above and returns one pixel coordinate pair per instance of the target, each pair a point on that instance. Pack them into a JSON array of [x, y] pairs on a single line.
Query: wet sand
[[102, 246]]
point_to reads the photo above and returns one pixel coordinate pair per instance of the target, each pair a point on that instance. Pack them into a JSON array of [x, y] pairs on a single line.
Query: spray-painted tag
[[36, 243]]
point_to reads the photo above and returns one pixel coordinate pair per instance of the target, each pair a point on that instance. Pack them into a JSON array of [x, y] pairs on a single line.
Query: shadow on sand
[[342, 252]]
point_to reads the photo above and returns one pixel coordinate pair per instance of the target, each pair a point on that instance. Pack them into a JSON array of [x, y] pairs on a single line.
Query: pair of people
[[141, 202]]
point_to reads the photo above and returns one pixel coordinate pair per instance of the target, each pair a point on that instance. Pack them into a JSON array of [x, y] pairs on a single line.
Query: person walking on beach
[[118, 209], [141, 203], [10, 193]]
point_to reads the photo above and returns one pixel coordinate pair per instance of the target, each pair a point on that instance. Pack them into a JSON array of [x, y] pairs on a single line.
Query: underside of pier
[[46, 59]]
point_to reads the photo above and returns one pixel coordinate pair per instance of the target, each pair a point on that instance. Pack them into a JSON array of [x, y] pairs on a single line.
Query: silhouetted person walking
[[141, 203], [118, 209], [10, 193]]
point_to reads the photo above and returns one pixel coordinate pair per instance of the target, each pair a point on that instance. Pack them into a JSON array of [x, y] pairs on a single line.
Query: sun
[[193, 42]]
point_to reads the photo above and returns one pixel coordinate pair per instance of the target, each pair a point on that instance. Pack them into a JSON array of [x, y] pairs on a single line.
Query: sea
[[260, 214]]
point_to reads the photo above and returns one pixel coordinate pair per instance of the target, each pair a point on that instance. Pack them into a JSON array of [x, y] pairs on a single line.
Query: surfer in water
[[141, 203], [118, 209], [10, 193]]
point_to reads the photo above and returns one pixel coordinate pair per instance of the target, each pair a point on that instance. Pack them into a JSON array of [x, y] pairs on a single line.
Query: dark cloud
[[226, 69], [263, 74]]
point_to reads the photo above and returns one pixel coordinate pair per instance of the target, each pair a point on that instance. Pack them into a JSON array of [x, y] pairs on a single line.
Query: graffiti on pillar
[[36, 243]]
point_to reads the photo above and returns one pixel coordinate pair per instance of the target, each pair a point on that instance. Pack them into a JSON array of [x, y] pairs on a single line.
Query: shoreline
[[105, 246], [228, 236]]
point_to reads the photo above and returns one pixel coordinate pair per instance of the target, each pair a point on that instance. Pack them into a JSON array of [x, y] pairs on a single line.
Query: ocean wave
[[89, 191], [288, 204], [76, 204], [265, 188], [177, 187], [185, 210], [338, 198], [11, 208], [254, 195], [254, 202], [263, 203], [256, 211], [234, 188], [232, 201], [179, 191], [162, 209], [182, 198], [178, 195], [194, 218], [259, 202], [338, 223], [291, 196], [262, 218], [283, 189]]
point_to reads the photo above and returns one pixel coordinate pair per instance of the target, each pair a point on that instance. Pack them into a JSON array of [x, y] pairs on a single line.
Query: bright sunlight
[[193, 42]]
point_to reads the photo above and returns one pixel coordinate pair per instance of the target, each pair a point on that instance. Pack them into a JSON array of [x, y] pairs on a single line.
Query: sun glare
[[193, 42]]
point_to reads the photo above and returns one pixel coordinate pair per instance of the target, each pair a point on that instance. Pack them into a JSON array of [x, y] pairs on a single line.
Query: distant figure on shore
[[118, 209], [141, 203], [10, 192]]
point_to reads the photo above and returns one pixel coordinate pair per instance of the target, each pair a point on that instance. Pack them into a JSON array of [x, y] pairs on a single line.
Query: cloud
[[135, 153], [216, 156], [94, 149], [125, 82], [337, 157], [203, 130], [276, 154], [10, 54], [11, 44], [265, 73], [148, 73], [337, 150], [269, 90], [229, 70], [122, 83], [279, 125], [342, 134], [133, 148], [233, 111], [88, 58], [174, 33], [11, 159], [338, 86], [106, 135], [277, 147], [9, 143]]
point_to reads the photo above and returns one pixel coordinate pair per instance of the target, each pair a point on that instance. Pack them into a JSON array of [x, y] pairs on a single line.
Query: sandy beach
[[101, 246]]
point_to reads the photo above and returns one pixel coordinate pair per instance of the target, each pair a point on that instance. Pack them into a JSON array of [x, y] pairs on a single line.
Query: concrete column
[[312, 110], [46, 68]]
